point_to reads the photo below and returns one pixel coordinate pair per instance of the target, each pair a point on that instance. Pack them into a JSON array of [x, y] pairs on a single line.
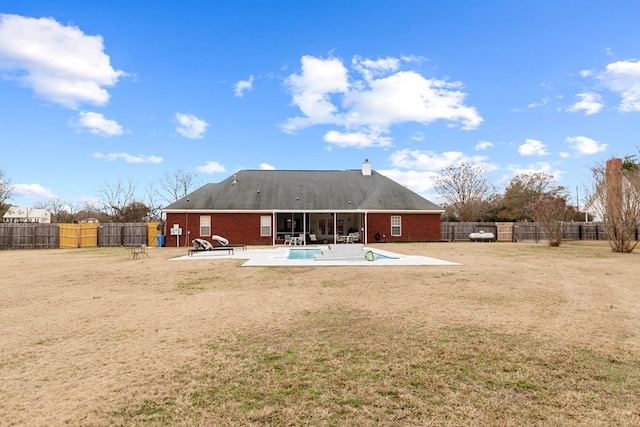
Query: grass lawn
[[519, 334]]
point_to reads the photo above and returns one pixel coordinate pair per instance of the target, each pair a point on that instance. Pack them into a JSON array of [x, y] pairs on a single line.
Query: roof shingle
[[270, 190]]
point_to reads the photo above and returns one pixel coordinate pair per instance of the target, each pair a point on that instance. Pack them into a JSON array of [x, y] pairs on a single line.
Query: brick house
[[261, 207]]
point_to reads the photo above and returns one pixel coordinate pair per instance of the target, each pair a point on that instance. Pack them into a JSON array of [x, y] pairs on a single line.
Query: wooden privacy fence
[[128, 234], [29, 236], [67, 236], [523, 231], [78, 235]]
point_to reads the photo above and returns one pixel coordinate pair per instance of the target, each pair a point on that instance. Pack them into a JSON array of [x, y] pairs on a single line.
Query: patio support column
[[274, 229], [335, 227], [304, 228], [366, 228]]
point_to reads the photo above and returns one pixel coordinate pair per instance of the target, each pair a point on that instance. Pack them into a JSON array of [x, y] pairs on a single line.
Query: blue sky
[[101, 92]]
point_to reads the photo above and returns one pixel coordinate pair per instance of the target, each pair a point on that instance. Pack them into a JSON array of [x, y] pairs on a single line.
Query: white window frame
[[396, 225], [265, 225], [205, 225]]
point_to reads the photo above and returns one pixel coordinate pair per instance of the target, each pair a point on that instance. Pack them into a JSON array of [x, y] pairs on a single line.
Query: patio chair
[[287, 239], [313, 239]]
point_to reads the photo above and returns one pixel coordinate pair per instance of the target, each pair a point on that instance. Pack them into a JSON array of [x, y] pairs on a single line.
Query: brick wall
[[415, 227], [236, 227], [245, 228]]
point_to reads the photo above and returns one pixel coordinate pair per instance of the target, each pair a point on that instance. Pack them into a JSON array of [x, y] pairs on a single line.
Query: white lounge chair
[[221, 240]]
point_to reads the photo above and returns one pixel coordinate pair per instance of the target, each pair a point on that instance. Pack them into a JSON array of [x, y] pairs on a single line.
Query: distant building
[[88, 221], [22, 214]]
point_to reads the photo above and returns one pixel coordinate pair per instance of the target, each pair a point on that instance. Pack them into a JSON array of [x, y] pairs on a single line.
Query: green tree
[[525, 189], [135, 212]]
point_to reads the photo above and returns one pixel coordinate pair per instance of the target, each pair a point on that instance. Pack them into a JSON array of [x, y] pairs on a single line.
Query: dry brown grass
[[520, 334]]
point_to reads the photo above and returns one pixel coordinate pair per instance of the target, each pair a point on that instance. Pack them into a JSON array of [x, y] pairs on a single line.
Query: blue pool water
[[302, 253]]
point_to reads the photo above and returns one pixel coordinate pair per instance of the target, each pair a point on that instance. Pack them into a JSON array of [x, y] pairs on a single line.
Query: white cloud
[[356, 139], [586, 73], [430, 161], [370, 68], [311, 91], [211, 167], [242, 86], [417, 169], [326, 94], [36, 191], [128, 158], [425, 160], [413, 58], [190, 126], [59, 63], [533, 147], [418, 136], [623, 77], [267, 167], [541, 103], [584, 145], [590, 103], [97, 124], [417, 181], [483, 145], [543, 167]]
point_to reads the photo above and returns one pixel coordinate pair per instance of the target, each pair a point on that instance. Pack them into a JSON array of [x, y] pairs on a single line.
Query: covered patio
[[328, 227]]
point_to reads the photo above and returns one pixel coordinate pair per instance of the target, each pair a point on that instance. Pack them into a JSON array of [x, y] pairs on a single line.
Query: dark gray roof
[[268, 190]]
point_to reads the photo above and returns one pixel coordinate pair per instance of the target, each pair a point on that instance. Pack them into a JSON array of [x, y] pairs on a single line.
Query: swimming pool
[[309, 253], [302, 253]]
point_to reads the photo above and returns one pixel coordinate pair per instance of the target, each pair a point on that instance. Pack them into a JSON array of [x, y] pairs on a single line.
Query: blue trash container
[[160, 241]]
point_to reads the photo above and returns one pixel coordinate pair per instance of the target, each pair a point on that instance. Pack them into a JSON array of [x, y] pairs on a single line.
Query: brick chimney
[[613, 182]]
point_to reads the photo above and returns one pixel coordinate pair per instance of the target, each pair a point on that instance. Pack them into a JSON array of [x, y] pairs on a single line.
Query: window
[[396, 225], [265, 225], [205, 225]]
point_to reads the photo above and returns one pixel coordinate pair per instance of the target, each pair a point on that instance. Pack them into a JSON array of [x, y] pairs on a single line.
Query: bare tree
[[176, 186], [551, 212], [115, 197], [615, 198], [169, 189], [61, 211], [465, 189], [5, 191], [153, 202]]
